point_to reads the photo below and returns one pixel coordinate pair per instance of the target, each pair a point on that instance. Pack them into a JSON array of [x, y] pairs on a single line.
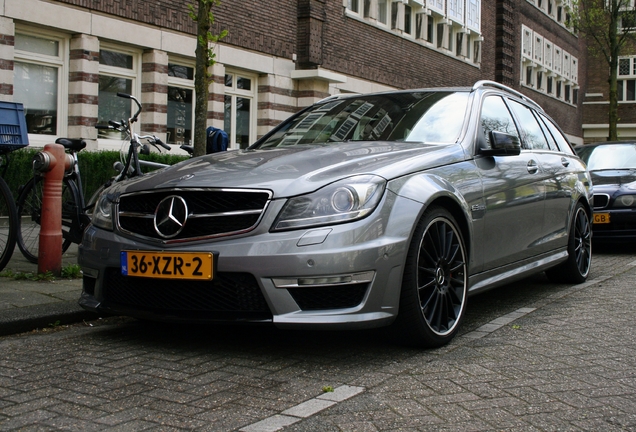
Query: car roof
[[600, 143]]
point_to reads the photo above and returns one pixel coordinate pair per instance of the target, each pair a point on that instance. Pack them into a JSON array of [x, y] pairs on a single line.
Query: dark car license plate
[[601, 218], [168, 265]]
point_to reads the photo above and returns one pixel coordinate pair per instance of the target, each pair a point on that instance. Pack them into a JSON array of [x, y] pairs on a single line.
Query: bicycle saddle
[[75, 144]]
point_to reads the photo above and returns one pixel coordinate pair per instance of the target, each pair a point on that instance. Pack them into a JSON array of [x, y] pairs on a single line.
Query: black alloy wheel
[[434, 287]]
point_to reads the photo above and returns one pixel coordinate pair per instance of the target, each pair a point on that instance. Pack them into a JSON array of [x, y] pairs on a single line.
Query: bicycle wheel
[[29, 207], [8, 224]]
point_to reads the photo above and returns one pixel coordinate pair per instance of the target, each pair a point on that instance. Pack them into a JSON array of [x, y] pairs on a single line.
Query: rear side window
[[561, 141]]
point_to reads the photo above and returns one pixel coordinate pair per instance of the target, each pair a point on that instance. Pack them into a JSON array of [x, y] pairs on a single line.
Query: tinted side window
[[551, 142], [561, 141], [531, 133], [496, 117]]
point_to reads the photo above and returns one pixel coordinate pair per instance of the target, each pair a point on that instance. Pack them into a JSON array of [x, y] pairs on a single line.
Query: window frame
[[61, 62], [134, 75], [627, 81], [235, 93], [185, 84]]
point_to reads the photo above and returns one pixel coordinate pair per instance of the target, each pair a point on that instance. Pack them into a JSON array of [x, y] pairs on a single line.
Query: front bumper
[[621, 226], [247, 287]]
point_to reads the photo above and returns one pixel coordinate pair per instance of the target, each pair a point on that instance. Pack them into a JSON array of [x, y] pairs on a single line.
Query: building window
[[39, 63], [628, 18], [394, 16], [547, 68], [408, 17], [383, 11], [180, 103], [626, 83], [117, 74], [240, 109], [452, 27], [354, 5]]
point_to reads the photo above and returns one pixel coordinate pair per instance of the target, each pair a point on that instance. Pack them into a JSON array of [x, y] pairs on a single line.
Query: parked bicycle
[[76, 211], [8, 214]]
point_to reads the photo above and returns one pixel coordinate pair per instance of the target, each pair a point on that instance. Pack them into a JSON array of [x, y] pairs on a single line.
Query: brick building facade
[[66, 59], [596, 103]]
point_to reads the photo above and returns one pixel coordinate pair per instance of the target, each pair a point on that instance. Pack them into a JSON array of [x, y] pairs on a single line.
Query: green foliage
[[203, 12], [71, 271], [96, 167], [48, 276]]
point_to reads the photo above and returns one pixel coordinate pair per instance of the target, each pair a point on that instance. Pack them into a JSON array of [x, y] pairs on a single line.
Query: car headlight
[[625, 201], [103, 212], [343, 201]]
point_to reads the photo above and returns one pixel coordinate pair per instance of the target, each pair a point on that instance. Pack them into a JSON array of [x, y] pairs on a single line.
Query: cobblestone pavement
[[532, 356]]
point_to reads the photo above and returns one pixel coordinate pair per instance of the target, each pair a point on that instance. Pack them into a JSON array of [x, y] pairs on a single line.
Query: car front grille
[[211, 212], [228, 296], [601, 201]]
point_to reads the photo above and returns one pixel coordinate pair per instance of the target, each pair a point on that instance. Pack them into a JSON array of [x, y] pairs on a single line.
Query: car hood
[[294, 170], [616, 177]]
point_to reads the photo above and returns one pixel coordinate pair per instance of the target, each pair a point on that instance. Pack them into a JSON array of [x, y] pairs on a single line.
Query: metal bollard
[[52, 162]]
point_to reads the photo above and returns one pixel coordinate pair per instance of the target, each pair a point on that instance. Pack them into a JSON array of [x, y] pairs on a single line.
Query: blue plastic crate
[[13, 129]]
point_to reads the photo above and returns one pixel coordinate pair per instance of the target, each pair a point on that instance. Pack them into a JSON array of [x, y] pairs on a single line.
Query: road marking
[[303, 410]]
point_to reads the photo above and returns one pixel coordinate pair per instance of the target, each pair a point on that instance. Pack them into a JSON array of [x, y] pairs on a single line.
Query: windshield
[[426, 117], [606, 157]]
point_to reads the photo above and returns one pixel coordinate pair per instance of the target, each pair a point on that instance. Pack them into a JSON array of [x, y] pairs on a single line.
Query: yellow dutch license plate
[[168, 265], [601, 218]]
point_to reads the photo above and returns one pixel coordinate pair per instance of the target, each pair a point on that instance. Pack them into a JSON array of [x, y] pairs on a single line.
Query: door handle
[[532, 167]]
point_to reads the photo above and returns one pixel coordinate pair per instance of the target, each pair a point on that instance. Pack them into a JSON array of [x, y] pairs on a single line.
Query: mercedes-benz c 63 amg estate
[[359, 211]]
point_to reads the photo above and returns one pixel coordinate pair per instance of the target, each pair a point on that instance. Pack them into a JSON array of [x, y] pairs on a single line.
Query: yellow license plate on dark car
[[168, 265], [601, 218]]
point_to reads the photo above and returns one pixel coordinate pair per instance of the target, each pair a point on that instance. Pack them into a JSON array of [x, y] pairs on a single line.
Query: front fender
[[463, 198]]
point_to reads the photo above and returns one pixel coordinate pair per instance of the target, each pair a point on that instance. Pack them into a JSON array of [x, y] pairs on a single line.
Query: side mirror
[[502, 144]]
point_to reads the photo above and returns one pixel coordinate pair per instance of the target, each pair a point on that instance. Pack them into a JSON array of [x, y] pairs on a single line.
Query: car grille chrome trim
[[601, 201], [212, 213]]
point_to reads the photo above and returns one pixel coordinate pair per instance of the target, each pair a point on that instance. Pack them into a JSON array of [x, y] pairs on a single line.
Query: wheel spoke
[[441, 277], [582, 235]]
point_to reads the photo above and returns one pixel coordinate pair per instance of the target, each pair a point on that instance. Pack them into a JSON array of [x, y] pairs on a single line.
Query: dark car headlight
[[625, 201], [103, 212], [343, 201]]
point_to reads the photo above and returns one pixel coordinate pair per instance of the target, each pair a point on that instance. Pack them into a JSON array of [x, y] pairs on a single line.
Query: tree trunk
[[201, 77]]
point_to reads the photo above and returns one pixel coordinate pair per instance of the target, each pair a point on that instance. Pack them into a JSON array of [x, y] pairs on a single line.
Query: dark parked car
[[359, 211], [613, 169]]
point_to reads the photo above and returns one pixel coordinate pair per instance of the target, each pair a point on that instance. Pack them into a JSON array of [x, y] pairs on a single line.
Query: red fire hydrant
[[53, 162]]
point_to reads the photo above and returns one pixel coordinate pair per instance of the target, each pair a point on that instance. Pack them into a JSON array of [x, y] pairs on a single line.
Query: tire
[[577, 267], [30, 211], [435, 283], [8, 224]]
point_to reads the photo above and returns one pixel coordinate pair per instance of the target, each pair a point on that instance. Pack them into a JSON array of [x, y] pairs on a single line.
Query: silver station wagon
[[360, 211]]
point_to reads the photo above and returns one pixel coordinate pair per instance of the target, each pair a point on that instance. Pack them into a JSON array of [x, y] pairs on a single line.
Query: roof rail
[[487, 83]]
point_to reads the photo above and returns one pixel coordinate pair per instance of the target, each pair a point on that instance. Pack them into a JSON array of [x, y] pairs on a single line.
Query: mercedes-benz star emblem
[[171, 216]]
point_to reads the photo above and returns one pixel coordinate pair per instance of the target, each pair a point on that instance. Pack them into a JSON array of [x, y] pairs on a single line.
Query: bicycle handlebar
[[162, 144], [127, 96]]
